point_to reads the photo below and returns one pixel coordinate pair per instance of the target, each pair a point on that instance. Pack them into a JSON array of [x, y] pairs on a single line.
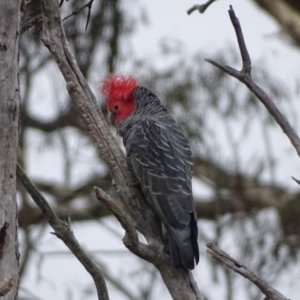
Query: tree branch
[[64, 232], [239, 268], [134, 205], [254, 196], [201, 8], [245, 76], [74, 13], [130, 240]]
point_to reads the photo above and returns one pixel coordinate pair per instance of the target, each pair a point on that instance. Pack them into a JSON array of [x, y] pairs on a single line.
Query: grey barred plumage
[[161, 160]]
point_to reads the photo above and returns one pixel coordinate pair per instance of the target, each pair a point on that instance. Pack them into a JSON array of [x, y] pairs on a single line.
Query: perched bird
[[161, 161]]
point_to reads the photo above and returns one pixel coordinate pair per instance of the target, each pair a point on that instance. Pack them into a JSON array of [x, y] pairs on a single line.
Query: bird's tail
[[183, 245]]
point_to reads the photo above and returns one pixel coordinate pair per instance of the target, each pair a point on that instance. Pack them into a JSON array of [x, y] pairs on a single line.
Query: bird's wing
[[161, 161]]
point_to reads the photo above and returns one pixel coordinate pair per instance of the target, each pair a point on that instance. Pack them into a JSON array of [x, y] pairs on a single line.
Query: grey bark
[[10, 19]]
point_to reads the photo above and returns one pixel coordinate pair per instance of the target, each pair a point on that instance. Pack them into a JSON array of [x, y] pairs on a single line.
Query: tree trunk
[[10, 19]]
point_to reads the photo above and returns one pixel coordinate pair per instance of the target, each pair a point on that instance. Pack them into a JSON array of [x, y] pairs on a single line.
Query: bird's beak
[[111, 119]]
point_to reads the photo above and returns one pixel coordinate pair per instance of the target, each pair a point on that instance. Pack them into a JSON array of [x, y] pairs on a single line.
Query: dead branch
[[245, 77], [64, 232], [239, 268]]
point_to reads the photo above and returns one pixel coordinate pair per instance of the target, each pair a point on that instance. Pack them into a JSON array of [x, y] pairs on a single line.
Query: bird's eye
[[116, 107]]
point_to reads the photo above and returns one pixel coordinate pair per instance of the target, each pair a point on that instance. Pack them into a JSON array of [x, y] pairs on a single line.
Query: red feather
[[118, 85], [118, 91]]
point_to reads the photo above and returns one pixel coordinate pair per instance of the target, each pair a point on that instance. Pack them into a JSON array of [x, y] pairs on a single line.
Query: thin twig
[[245, 77], [239, 268], [89, 14], [201, 8], [296, 180], [63, 231], [74, 13]]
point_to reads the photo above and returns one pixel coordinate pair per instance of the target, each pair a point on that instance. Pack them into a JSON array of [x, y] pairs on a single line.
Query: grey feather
[[161, 160]]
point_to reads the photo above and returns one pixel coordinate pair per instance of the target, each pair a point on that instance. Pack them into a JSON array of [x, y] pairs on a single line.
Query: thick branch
[[239, 268], [63, 231], [245, 76]]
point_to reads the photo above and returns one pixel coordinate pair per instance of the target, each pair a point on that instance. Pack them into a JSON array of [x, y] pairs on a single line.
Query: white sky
[[209, 32]]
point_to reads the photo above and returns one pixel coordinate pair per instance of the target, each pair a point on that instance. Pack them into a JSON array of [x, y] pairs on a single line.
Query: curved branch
[[239, 268], [64, 232], [245, 77]]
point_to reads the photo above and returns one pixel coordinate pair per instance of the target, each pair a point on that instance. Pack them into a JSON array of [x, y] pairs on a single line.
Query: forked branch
[[245, 77]]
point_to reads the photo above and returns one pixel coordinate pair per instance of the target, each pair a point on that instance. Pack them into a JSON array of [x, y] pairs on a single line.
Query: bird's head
[[118, 91]]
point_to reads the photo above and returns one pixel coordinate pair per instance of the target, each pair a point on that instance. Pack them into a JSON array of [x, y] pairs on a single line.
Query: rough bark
[[10, 19]]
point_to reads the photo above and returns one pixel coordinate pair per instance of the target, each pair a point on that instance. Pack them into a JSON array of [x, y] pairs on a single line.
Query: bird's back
[[161, 160]]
